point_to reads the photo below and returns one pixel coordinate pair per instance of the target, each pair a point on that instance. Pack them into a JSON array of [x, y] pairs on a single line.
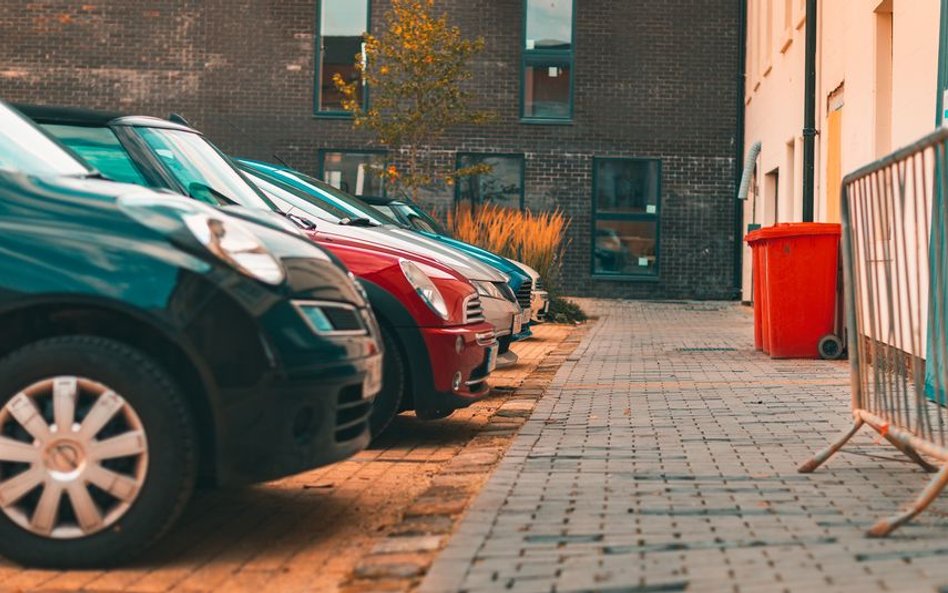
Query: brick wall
[[652, 79]]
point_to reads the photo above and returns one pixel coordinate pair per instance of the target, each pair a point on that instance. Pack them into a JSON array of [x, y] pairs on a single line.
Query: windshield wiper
[[92, 175], [359, 221]]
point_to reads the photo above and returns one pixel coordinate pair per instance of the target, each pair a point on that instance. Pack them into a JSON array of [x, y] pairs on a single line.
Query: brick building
[[623, 114]]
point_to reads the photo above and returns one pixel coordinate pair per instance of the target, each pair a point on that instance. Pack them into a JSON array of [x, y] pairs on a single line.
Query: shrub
[[536, 239], [566, 311]]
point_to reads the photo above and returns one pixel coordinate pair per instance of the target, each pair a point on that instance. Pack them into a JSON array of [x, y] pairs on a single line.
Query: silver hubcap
[[73, 457]]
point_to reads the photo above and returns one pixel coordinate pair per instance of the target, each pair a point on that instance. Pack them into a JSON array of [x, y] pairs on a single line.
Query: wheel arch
[[26, 324]]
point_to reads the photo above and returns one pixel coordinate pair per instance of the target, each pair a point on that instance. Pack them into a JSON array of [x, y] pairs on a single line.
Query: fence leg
[[912, 454], [934, 488], [820, 458]]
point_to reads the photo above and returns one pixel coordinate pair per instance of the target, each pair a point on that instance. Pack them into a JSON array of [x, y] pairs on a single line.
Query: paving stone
[[408, 544], [391, 566]]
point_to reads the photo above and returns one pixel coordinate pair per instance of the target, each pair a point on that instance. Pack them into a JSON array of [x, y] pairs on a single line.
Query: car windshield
[[202, 169], [294, 201], [418, 218], [26, 149], [354, 207]]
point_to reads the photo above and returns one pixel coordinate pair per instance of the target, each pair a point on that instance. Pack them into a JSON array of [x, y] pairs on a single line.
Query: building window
[[626, 210], [359, 173], [339, 39], [503, 185], [547, 85]]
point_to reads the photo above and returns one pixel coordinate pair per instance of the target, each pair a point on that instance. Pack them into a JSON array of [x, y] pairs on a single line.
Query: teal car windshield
[[418, 218], [200, 168], [26, 149]]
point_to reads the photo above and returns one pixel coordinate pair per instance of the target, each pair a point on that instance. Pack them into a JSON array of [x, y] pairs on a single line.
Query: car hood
[[411, 243], [518, 277]]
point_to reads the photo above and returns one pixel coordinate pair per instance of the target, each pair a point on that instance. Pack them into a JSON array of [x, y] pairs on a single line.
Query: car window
[[99, 147], [202, 169], [24, 148]]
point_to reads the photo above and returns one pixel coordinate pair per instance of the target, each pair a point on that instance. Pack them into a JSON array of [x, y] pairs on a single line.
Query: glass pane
[[549, 24], [100, 148], [546, 91], [357, 173], [627, 186], [625, 247], [200, 168], [342, 23], [24, 148], [502, 186]]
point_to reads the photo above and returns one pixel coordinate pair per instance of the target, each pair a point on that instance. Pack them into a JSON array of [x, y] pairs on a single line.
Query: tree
[[415, 71]]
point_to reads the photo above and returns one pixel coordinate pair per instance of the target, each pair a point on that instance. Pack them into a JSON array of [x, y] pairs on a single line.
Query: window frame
[[318, 66], [656, 217], [516, 155], [322, 166], [533, 57]]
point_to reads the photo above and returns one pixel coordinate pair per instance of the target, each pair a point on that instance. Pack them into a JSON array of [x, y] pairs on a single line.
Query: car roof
[[51, 114]]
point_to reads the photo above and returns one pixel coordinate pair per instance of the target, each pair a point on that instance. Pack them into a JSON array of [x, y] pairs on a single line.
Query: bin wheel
[[830, 347]]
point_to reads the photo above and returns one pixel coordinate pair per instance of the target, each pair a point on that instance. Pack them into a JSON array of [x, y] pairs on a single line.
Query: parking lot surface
[[663, 458], [310, 532]]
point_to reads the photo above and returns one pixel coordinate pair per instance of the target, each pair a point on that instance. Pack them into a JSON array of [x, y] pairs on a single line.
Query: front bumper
[[504, 315], [312, 407], [460, 377], [291, 425]]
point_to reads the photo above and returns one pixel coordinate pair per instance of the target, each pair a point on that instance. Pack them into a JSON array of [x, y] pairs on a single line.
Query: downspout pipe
[[942, 65], [809, 113], [737, 273], [750, 162]]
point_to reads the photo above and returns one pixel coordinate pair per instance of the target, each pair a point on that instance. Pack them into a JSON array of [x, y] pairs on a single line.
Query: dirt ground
[[310, 532]]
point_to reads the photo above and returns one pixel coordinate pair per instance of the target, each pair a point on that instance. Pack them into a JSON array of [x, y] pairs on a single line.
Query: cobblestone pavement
[[308, 532], [663, 458]]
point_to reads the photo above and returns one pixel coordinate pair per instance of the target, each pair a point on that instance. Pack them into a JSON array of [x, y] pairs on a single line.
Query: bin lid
[[753, 236], [795, 229]]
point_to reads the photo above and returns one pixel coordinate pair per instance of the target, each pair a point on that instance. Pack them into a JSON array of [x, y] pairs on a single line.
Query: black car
[[148, 341]]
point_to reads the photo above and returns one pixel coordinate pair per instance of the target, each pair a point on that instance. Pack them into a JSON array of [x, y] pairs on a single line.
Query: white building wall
[[848, 64]]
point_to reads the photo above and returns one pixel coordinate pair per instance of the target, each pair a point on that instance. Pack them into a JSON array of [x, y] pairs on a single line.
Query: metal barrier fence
[[895, 266]]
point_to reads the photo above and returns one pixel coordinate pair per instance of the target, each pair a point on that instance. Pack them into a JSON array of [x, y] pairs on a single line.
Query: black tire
[[429, 415], [831, 347], [161, 407], [388, 402]]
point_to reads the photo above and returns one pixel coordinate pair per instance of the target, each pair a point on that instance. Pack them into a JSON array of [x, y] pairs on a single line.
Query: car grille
[[505, 290], [473, 311], [524, 295], [352, 413], [537, 284]]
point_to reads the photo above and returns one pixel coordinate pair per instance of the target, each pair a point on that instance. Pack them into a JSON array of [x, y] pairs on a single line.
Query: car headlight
[[425, 288], [487, 289], [234, 244]]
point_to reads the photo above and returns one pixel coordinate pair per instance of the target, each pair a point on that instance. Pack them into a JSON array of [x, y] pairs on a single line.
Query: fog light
[[459, 345], [456, 384]]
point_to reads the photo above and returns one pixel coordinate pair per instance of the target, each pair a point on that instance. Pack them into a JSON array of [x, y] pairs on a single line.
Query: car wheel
[[389, 400], [97, 453], [433, 414]]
